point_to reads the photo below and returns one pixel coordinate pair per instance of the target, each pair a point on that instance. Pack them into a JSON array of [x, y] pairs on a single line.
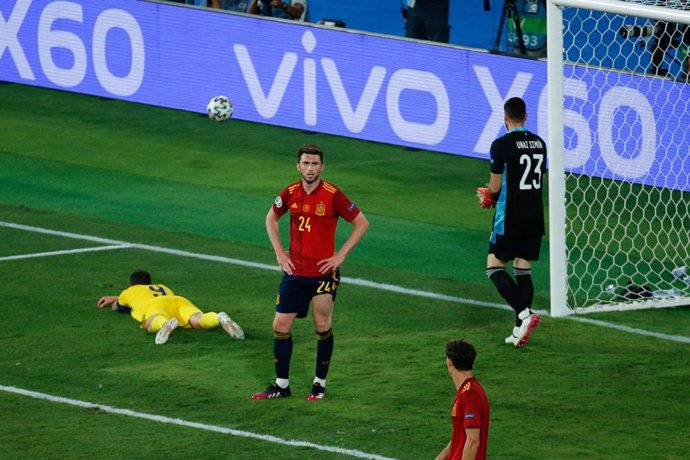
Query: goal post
[[619, 154]]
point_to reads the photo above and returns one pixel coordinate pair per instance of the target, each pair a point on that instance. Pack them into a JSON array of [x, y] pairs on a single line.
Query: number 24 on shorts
[[326, 286]]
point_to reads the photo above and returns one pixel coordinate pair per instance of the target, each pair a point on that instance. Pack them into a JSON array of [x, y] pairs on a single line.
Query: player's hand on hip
[[331, 264], [285, 263]]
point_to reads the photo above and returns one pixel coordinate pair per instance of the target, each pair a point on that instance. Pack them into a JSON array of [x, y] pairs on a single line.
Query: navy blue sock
[[282, 352], [324, 350]]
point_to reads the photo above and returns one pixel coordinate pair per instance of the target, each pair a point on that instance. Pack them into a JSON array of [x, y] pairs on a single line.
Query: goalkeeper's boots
[[513, 338], [317, 392], [164, 334], [273, 392], [232, 328], [530, 320]]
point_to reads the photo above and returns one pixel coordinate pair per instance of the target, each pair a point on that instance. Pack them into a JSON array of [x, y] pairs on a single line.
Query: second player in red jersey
[[470, 410]]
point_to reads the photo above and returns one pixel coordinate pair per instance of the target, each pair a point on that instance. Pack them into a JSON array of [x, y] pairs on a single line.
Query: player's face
[[310, 167]]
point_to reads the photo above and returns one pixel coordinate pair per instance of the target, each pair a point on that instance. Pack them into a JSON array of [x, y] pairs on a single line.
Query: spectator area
[[470, 25]]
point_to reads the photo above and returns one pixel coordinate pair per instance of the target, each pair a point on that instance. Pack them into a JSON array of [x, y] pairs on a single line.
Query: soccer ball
[[219, 108]]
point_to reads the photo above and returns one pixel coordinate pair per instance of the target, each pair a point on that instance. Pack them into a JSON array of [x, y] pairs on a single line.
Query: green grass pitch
[[175, 180]]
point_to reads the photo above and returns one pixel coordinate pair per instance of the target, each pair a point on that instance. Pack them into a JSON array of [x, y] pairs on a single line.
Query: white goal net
[[619, 136]]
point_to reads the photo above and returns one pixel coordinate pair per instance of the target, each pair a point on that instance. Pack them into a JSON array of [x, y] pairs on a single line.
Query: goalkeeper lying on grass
[[159, 310]]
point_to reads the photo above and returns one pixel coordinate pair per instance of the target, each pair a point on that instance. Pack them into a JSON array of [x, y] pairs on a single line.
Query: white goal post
[[619, 156]]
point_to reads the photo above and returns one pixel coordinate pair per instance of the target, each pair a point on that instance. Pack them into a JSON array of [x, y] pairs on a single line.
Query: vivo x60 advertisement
[[342, 82]]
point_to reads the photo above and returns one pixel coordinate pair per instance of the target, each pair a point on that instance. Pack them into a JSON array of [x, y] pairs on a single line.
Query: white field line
[[63, 252], [185, 423], [355, 281]]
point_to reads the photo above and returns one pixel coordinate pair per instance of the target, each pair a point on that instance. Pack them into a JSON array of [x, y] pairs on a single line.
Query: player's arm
[[360, 224], [469, 452], [282, 256], [489, 195], [494, 185], [444, 453], [108, 300]]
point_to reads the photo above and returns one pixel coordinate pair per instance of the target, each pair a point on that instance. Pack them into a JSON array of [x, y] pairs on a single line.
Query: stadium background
[[169, 179]]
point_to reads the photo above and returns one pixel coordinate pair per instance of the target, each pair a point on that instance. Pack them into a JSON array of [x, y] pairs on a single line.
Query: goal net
[[619, 137]]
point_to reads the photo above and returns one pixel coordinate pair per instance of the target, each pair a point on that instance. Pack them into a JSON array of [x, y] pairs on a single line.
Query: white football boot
[[530, 320], [232, 328], [513, 338], [164, 334]]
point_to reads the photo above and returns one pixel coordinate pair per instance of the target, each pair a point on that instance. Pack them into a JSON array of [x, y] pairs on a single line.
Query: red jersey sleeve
[[280, 205], [472, 409], [344, 207]]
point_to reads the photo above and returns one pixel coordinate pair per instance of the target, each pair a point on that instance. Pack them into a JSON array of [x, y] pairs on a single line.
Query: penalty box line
[[65, 251], [354, 281], [188, 424], [245, 263]]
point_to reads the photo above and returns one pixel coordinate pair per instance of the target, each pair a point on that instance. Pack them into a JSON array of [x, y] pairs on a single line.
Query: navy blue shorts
[[508, 247], [295, 292]]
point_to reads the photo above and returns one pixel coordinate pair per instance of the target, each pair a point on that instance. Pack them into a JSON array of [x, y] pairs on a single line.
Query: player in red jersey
[[310, 266], [470, 410]]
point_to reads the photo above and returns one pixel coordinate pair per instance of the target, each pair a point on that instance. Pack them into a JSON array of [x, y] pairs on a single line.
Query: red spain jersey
[[470, 410], [313, 220]]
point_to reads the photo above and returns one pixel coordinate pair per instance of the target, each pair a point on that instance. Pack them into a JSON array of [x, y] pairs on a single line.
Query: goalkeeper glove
[[485, 199]]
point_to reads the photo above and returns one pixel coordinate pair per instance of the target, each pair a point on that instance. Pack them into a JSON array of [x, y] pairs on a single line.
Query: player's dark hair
[[515, 109], [310, 149], [139, 277], [461, 354]]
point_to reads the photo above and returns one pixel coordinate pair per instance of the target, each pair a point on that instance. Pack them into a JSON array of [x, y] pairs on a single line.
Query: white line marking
[[46, 231], [355, 281], [632, 330], [185, 423], [66, 251]]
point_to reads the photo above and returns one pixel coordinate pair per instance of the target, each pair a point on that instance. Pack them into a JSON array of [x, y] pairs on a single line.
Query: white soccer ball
[[219, 108]]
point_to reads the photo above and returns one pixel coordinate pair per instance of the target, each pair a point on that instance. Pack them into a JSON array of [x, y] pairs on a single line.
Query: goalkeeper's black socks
[[507, 288], [523, 276]]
